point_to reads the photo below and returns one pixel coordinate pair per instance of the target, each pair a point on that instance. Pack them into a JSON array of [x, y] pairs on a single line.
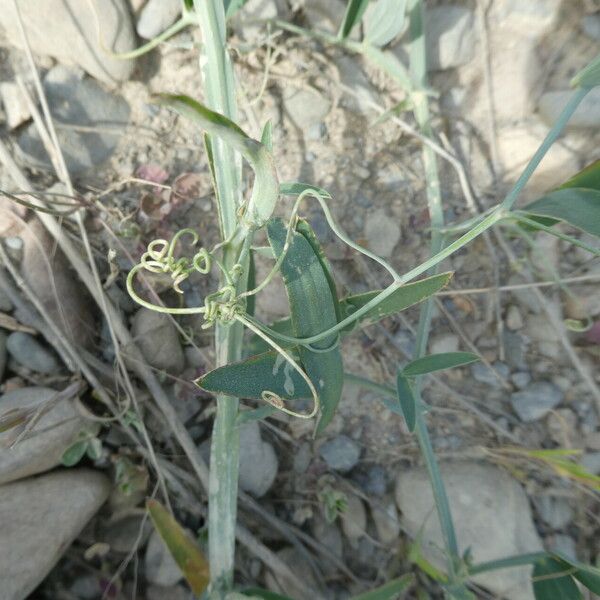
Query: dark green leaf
[[306, 230], [400, 299], [384, 21], [354, 12], [392, 590], [407, 401], [438, 362], [579, 207], [551, 581], [295, 188], [183, 549], [264, 594], [74, 453], [251, 284], [312, 310], [251, 377], [586, 574]]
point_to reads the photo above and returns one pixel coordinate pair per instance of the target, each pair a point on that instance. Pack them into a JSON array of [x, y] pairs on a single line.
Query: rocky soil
[[73, 480]]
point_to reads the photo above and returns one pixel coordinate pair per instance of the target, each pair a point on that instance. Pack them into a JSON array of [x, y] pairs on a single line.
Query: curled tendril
[[159, 258]]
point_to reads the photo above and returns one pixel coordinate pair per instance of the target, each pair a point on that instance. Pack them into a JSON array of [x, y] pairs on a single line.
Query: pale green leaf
[[354, 12], [295, 188], [384, 20], [74, 453], [552, 581]]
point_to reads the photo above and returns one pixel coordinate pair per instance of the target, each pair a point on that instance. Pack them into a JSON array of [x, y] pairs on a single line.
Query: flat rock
[[451, 37], [39, 519], [161, 568], [445, 342], [68, 31], [3, 338], [591, 26], [156, 16], [158, 340], [586, 116], [47, 272], [491, 514], [533, 18], [536, 400], [15, 108], [54, 432], [305, 107], [77, 101], [382, 233], [387, 522], [258, 461], [31, 354], [340, 453]]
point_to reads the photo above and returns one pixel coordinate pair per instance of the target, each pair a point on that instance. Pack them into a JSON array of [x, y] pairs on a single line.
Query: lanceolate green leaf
[[588, 178], [305, 229], [392, 590], [406, 400], [552, 581], [384, 21], [438, 362], [587, 575], [579, 207], [184, 550], [251, 377], [312, 310], [354, 12], [589, 76], [405, 296]]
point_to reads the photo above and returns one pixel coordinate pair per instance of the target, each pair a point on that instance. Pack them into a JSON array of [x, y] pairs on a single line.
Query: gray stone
[[586, 116], [78, 101], [387, 522], [354, 518], [329, 535], [536, 400], [491, 514], [68, 31], [556, 512], [3, 338], [564, 544], [55, 430], [15, 108], [591, 26], [382, 233], [591, 462], [5, 303], [341, 453], [245, 22], [484, 374], [39, 518], [301, 568], [160, 566], [514, 318], [305, 107], [158, 340], [445, 342], [374, 481], [352, 76], [521, 379], [47, 272], [258, 461], [532, 19], [31, 354], [156, 16], [126, 533], [514, 349], [86, 587], [451, 37]]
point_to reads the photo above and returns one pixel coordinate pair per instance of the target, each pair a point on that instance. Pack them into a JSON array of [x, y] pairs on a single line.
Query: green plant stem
[[418, 68], [505, 563], [224, 459]]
